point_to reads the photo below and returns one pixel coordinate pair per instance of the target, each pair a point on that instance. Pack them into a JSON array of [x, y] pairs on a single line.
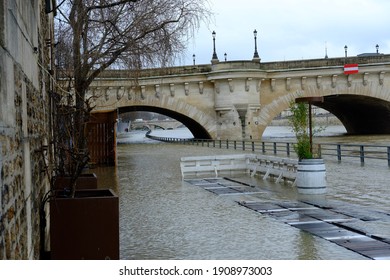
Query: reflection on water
[[308, 250], [162, 217]]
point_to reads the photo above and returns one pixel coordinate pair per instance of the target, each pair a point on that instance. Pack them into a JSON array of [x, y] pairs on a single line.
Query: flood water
[[162, 217]]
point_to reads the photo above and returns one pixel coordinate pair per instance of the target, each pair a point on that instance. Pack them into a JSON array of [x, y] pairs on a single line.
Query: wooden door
[[101, 132]]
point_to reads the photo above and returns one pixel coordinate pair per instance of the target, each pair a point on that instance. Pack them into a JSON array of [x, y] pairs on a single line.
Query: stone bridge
[[154, 124], [238, 99]]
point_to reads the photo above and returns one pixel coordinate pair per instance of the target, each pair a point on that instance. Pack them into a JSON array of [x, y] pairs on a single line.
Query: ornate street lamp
[[256, 54], [215, 57], [346, 50]]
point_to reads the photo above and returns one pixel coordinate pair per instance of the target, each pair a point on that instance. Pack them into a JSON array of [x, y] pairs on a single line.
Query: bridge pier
[[243, 123], [239, 122]]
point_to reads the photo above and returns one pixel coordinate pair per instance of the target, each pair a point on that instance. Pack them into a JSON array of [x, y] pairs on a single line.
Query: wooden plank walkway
[[333, 224]]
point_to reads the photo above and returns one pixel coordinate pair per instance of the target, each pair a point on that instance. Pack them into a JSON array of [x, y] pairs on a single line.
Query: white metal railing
[[268, 166]]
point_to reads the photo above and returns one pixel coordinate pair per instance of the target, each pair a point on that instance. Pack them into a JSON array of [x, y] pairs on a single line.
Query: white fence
[[267, 166]]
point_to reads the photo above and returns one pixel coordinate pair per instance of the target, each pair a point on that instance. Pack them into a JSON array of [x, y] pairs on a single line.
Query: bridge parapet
[[245, 65], [237, 99], [156, 72], [328, 62]]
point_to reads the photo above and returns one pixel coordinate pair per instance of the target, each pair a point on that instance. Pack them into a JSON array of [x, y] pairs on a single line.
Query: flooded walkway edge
[[324, 221]]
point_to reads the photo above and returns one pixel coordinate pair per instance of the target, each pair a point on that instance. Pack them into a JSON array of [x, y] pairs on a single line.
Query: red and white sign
[[351, 69]]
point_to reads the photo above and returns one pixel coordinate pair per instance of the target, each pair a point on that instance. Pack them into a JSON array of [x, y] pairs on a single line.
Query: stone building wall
[[24, 119]]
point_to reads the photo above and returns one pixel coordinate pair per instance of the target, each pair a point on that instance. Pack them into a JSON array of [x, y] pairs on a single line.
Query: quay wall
[[24, 124]]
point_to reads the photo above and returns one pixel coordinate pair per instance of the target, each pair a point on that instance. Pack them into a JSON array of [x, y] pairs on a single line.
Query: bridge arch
[[361, 112], [197, 129], [158, 126]]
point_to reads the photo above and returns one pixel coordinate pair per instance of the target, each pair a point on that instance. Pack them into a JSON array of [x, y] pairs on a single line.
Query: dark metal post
[[215, 57], [310, 100], [338, 152], [388, 156], [319, 148], [310, 130], [256, 54]]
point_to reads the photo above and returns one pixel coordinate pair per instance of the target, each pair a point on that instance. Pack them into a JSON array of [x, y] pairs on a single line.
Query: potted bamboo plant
[[311, 173]]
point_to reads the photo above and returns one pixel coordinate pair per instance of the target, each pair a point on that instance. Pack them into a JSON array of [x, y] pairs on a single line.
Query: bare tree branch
[[110, 5], [93, 35]]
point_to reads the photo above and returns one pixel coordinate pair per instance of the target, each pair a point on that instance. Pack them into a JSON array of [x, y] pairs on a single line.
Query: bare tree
[[93, 35]]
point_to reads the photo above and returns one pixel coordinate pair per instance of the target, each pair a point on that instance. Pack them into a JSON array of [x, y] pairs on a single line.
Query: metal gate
[[101, 131]]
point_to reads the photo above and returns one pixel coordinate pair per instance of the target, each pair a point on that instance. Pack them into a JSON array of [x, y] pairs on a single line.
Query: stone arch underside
[[360, 114], [198, 130]]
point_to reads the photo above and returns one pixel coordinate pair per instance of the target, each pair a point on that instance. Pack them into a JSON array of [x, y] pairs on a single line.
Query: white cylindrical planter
[[311, 176]]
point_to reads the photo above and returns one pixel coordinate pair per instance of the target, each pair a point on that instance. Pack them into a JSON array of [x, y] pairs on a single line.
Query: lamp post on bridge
[[256, 56], [214, 58]]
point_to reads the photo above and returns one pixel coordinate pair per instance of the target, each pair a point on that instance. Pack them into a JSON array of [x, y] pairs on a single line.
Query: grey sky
[[288, 30]]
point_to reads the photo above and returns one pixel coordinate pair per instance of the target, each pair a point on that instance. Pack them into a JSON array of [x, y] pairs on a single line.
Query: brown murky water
[[162, 217]]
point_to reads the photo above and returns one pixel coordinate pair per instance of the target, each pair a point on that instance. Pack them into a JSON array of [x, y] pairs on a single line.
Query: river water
[[163, 217]]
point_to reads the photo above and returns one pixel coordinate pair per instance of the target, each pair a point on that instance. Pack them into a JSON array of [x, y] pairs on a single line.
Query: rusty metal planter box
[[85, 181], [86, 226]]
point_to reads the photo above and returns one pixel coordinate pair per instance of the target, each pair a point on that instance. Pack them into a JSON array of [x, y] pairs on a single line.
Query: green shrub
[[299, 121]]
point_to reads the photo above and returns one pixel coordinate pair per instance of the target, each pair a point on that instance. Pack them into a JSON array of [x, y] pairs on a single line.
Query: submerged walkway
[[345, 225]]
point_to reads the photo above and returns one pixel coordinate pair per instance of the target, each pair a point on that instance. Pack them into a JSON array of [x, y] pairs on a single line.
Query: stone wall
[[24, 104]]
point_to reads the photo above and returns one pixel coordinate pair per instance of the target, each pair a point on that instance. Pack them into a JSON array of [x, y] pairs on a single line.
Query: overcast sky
[[292, 29]]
